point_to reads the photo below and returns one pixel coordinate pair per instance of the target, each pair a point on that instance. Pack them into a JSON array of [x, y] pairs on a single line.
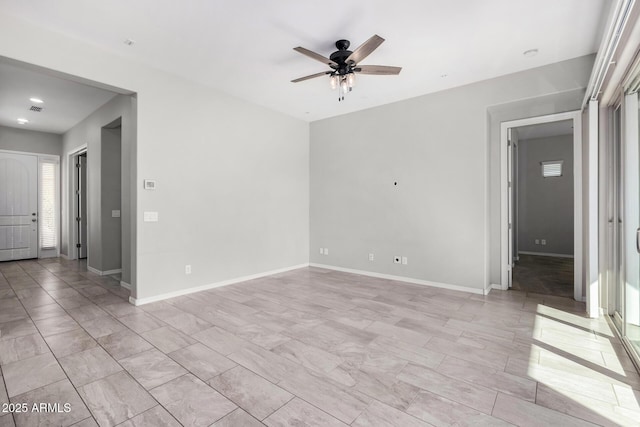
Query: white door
[[18, 206]]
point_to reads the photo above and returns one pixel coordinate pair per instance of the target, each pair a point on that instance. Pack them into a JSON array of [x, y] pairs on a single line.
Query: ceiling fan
[[345, 64]]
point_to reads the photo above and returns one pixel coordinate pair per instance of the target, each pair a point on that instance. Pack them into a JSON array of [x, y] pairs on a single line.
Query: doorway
[[82, 214], [539, 240], [542, 208]]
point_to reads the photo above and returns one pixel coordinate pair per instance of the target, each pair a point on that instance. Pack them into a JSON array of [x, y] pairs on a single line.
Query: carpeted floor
[[544, 275]]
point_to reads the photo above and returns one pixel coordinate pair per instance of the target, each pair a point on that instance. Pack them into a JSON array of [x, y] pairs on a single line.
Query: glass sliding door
[[631, 168], [623, 217]]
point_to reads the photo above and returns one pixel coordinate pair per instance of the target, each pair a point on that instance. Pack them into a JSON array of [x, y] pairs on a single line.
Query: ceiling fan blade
[[315, 56], [312, 76], [365, 49], [381, 70]]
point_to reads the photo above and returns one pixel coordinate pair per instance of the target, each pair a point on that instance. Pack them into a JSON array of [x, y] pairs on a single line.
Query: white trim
[[33, 153], [498, 287], [616, 22], [104, 273], [546, 254], [125, 285], [147, 300], [592, 270], [403, 279], [66, 257], [577, 194]]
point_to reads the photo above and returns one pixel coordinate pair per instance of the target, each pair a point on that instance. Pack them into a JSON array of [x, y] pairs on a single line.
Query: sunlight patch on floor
[[582, 368]]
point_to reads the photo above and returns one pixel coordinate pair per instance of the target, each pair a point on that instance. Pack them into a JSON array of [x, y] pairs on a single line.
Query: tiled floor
[[307, 347], [544, 275]]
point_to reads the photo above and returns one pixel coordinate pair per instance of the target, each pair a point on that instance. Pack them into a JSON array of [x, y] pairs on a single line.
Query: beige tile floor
[[308, 347]]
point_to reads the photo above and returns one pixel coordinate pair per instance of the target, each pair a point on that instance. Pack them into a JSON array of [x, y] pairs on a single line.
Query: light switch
[[149, 184], [115, 214], [151, 217]]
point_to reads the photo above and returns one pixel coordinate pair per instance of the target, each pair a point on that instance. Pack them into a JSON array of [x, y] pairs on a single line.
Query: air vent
[[36, 109]]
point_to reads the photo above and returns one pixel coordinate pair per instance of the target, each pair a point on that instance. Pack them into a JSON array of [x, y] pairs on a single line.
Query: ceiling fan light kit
[[344, 64]]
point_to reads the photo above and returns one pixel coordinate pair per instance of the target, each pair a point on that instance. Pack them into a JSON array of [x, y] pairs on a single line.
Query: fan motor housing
[[340, 56]]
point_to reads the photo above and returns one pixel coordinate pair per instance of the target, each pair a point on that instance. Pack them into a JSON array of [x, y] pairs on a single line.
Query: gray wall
[[440, 150], [110, 194], [568, 100], [30, 141], [90, 132], [545, 205], [233, 178]]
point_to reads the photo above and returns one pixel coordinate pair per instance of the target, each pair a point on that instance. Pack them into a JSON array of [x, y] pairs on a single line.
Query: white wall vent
[[551, 168]]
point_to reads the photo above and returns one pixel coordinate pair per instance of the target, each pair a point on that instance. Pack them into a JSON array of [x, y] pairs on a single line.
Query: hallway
[[544, 275]]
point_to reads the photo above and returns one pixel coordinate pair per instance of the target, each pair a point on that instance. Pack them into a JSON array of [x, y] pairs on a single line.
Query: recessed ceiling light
[[129, 42], [36, 100], [530, 53], [23, 121]]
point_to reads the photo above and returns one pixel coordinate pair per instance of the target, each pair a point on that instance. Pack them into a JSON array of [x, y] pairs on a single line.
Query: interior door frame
[[72, 180], [505, 258]]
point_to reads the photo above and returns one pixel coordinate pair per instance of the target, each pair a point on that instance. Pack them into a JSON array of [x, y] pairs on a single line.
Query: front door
[[18, 206]]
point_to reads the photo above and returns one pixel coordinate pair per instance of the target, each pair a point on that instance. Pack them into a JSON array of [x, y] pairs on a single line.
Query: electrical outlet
[[405, 260], [321, 251], [187, 269], [326, 251], [397, 260], [537, 241], [543, 241], [370, 257]]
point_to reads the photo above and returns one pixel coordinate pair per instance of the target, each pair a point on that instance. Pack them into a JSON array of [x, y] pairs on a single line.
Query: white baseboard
[[66, 257], [498, 287], [147, 300], [545, 254], [125, 285], [401, 279], [104, 273]]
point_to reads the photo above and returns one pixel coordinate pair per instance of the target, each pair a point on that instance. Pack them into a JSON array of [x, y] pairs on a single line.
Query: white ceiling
[[66, 103], [245, 47], [546, 130]]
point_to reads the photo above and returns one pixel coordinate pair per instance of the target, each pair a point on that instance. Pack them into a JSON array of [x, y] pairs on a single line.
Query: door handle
[[638, 240]]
